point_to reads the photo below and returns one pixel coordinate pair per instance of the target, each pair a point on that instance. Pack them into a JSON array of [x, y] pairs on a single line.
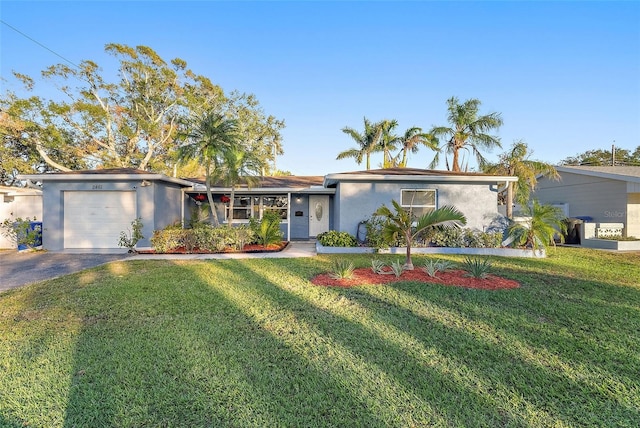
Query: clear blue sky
[[564, 75]]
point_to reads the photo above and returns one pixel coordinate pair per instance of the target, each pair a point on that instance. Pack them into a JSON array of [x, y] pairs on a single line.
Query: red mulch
[[455, 278]]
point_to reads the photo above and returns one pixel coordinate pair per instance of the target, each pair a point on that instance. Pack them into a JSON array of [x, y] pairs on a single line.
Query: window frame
[[421, 206], [257, 206]]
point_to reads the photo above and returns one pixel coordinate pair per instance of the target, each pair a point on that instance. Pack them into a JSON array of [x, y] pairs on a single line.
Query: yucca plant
[[342, 269], [377, 266], [477, 267], [431, 268], [397, 268]]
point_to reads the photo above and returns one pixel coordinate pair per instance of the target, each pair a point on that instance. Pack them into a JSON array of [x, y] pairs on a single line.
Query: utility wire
[[38, 43]]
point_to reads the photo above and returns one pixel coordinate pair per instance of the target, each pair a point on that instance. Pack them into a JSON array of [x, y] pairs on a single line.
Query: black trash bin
[[573, 230]]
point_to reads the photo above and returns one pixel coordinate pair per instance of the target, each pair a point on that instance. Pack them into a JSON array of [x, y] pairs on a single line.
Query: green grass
[[253, 343]]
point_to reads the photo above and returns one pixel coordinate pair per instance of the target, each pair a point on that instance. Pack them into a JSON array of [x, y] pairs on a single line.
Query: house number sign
[[96, 187]]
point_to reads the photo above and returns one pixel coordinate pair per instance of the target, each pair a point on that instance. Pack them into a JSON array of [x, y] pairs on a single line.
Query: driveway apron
[[17, 269]]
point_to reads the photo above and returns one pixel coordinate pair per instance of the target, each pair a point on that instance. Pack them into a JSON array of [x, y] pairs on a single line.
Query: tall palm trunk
[[212, 205], [509, 201]]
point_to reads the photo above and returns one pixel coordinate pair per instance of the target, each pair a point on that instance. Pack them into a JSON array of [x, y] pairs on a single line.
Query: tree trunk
[[408, 264], [509, 201], [455, 167], [212, 205], [231, 201]]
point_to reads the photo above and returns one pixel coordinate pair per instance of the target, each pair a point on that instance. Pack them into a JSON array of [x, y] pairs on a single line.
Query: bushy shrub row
[[454, 237], [466, 238], [333, 238], [204, 237]]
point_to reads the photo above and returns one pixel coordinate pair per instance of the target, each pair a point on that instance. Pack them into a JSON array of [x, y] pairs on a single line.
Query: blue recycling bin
[[34, 226]]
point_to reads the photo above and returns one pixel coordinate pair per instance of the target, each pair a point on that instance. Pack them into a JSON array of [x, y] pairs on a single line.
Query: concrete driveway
[[17, 269]]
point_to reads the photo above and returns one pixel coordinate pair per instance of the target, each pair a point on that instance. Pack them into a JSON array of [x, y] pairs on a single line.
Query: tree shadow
[[185, 353]]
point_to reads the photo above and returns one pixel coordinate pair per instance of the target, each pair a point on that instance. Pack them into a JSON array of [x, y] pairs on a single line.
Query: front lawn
[[253, 343]]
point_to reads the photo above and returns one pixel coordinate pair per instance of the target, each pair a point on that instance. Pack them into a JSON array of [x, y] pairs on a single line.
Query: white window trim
[[435, 198], [252, 207]]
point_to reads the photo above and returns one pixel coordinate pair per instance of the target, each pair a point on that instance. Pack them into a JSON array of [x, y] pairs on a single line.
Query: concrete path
[[18, 269]]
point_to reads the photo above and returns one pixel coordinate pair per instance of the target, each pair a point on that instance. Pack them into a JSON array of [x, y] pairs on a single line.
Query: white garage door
[[95, 219]]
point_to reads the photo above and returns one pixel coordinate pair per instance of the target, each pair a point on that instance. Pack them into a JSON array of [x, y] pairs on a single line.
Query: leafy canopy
[[131, 120]]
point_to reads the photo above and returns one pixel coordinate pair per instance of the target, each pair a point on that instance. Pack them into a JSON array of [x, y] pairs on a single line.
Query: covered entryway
[[95, 219], [318, 214]]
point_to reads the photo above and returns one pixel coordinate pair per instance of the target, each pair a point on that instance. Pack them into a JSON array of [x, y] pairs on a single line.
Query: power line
[[38, 43]]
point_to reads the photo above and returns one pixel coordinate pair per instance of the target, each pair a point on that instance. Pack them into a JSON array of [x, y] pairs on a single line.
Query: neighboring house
[[89, 209], [604, 194], [18, 202]]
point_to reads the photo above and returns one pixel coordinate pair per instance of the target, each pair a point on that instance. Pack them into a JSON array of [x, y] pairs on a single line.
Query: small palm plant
[[403, 223], [545, 222]]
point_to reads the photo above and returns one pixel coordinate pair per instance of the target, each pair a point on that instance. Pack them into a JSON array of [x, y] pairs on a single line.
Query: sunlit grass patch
[[254, 343]]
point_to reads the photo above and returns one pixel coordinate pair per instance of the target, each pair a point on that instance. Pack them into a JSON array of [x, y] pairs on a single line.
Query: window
[[246, 207], [420, 201]]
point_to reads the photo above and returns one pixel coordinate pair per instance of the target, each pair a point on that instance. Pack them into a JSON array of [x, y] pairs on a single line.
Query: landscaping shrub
[[130, 238], [166, 239], [267, 231], [333, 238], [466, 238], [374, 227], [203, 237]]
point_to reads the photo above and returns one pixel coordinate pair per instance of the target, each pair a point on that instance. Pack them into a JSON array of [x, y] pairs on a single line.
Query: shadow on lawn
[[435, 390], [194, 355], [574, 386], [239, 342]]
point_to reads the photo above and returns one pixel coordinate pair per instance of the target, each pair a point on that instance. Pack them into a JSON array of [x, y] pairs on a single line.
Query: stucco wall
[[18, 206], [356, 201], [169, 200], [603, 199], [53, 207]]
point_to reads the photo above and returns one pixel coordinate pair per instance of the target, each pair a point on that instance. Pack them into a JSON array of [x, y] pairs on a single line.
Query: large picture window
[[420, 201], [246, 207]]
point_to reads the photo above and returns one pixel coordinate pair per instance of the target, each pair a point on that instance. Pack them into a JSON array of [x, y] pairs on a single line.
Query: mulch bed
[[457, 278]]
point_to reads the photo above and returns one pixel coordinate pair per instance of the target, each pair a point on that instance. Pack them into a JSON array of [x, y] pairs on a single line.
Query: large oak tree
[[130, 120]]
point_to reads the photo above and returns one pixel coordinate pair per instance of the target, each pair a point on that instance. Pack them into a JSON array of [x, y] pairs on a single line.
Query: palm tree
[[206, 139], [367, 142], [516, 163], [410, 141], [387, 142], [238, 165], [467, 131], [545, 222], [401, 222]]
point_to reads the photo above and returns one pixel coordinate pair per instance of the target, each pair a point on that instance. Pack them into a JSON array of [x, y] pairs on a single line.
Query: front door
[[318, 214]]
